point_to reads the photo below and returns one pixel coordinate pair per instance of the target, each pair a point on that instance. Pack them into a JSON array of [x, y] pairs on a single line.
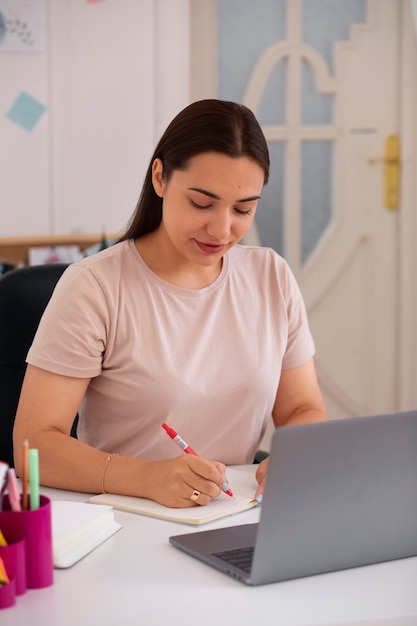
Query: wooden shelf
[[15, 249]]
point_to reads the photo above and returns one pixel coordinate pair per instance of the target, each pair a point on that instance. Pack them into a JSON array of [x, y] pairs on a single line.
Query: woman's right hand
[[184, 481]]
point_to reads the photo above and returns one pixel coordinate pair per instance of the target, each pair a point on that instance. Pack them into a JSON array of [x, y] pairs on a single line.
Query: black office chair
[[24, 294], [260, 456]]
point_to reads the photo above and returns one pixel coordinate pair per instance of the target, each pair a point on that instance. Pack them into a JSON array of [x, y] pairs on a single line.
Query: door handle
[[392, 164]]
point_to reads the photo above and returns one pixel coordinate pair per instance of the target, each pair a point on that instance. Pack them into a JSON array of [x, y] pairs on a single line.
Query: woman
[[175, 323]]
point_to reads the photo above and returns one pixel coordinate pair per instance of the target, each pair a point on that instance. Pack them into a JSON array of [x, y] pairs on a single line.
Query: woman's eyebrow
[[216, 197]]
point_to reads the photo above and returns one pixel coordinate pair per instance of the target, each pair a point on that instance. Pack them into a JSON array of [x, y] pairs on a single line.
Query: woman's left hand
[[261, 478]]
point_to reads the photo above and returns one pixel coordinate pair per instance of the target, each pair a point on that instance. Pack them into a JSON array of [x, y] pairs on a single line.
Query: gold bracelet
[[109, 458]]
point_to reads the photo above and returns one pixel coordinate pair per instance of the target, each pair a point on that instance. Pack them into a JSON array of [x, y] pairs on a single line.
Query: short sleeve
[[71, 337], [300, 345]]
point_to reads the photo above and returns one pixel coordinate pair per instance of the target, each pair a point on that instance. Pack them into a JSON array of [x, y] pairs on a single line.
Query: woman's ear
[[158, 177]]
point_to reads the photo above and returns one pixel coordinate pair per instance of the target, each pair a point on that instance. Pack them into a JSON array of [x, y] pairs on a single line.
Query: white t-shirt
[[206, 361]]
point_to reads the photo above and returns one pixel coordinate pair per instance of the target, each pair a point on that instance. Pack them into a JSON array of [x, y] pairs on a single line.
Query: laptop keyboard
[[240, 557]]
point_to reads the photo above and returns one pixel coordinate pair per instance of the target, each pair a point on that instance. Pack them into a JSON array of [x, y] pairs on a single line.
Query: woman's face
[[208, 207]]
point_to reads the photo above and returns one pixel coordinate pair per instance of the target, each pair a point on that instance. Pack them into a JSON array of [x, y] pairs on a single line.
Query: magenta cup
[[35, 527], [14, 559], [8, 594]]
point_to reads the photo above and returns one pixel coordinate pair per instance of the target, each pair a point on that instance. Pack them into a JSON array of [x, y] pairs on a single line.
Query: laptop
[[339, 494]]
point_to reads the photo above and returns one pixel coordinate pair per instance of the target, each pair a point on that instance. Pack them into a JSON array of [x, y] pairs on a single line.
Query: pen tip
[[225, 489]]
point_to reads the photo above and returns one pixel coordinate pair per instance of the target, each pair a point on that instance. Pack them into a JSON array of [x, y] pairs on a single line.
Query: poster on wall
[[22, 25]]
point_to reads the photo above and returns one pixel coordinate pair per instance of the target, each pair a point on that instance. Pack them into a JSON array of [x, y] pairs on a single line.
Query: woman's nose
[[219, 227]]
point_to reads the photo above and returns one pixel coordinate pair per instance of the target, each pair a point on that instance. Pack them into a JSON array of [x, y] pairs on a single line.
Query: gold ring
[[195, 495]]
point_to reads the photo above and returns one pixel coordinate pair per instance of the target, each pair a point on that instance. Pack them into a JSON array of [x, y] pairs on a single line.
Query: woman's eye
[[240, 212], [200, 206], [196, 205]]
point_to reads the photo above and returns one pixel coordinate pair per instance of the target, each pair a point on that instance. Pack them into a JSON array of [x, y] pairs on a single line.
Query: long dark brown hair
[[204, 126]]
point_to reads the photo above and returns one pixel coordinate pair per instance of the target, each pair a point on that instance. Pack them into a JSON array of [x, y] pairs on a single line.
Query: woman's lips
[[210, 248]]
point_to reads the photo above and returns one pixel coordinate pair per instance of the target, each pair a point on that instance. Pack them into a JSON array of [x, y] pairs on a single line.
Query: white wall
[[112, 75]]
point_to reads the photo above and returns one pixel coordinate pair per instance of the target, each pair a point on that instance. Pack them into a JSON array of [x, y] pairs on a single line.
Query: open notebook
[[241, 483]]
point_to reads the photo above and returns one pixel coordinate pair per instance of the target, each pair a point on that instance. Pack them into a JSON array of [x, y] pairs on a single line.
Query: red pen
[[188, 450]]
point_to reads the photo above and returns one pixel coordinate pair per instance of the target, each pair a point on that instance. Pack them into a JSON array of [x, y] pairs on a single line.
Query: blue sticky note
[[26, 111]]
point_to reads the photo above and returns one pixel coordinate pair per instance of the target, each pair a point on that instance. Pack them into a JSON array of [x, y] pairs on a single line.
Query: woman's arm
[[46, 411], [298, 401]]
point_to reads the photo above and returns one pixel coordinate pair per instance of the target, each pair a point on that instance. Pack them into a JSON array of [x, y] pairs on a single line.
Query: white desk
[[137, 578]]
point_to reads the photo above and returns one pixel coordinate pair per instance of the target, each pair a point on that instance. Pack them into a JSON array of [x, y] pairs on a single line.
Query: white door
[[334, 104]]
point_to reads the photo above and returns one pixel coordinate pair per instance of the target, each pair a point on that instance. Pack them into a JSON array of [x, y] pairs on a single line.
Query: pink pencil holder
[[35, 527], [8, 594], [14, 559]]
